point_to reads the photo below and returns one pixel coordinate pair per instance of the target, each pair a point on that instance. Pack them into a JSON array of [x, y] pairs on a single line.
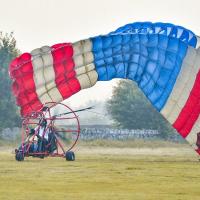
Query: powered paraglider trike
[[52, 131]]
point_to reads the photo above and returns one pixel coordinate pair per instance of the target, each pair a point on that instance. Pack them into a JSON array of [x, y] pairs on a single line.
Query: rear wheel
[[70, 156], [19, 156]]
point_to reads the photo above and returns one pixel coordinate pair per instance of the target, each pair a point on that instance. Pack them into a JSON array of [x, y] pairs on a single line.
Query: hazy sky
[[45, 22]]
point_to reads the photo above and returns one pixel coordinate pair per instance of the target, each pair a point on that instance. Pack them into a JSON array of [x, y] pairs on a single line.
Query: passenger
[[43, 135]]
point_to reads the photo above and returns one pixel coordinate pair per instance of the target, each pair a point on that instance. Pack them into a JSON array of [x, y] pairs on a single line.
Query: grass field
[[103, 174]]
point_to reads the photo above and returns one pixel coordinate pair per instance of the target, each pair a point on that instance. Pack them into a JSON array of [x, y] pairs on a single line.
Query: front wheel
[[70, 156], [19, 156]]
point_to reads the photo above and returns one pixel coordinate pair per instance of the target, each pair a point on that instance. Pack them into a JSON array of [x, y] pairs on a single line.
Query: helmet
[[32, 131], [45, 108], [44, 122]]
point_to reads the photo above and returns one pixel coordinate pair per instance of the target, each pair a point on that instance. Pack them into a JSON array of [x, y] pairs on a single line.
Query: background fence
[[115, 134], [100, 132]]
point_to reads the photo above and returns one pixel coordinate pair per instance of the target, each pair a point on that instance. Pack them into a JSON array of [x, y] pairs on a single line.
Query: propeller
[[80, 110]]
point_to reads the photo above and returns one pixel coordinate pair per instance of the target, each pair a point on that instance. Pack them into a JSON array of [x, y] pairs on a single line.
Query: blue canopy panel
[[149, 54]]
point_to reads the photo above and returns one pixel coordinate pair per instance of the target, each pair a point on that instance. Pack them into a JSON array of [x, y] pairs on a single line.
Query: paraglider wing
[[161, 58]]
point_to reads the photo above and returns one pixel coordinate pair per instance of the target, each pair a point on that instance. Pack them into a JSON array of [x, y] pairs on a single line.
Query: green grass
[[102, 176]]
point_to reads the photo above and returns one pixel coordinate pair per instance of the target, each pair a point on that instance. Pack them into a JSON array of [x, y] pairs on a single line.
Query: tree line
[[9, 114], [130, 109]]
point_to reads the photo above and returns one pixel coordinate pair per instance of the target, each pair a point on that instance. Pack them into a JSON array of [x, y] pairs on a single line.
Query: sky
[[46, 22]]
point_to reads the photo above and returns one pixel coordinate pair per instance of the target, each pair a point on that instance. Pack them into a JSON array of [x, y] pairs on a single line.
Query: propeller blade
[[80, 110]]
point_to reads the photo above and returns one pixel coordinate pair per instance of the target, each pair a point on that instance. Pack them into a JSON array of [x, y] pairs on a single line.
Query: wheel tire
[[19, 156], [70, 156]]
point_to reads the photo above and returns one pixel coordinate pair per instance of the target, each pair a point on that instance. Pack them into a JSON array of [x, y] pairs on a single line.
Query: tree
[[9, 116], [130, 109]]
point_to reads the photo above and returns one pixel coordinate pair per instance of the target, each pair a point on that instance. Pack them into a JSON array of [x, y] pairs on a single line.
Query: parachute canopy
[[161, 58]]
